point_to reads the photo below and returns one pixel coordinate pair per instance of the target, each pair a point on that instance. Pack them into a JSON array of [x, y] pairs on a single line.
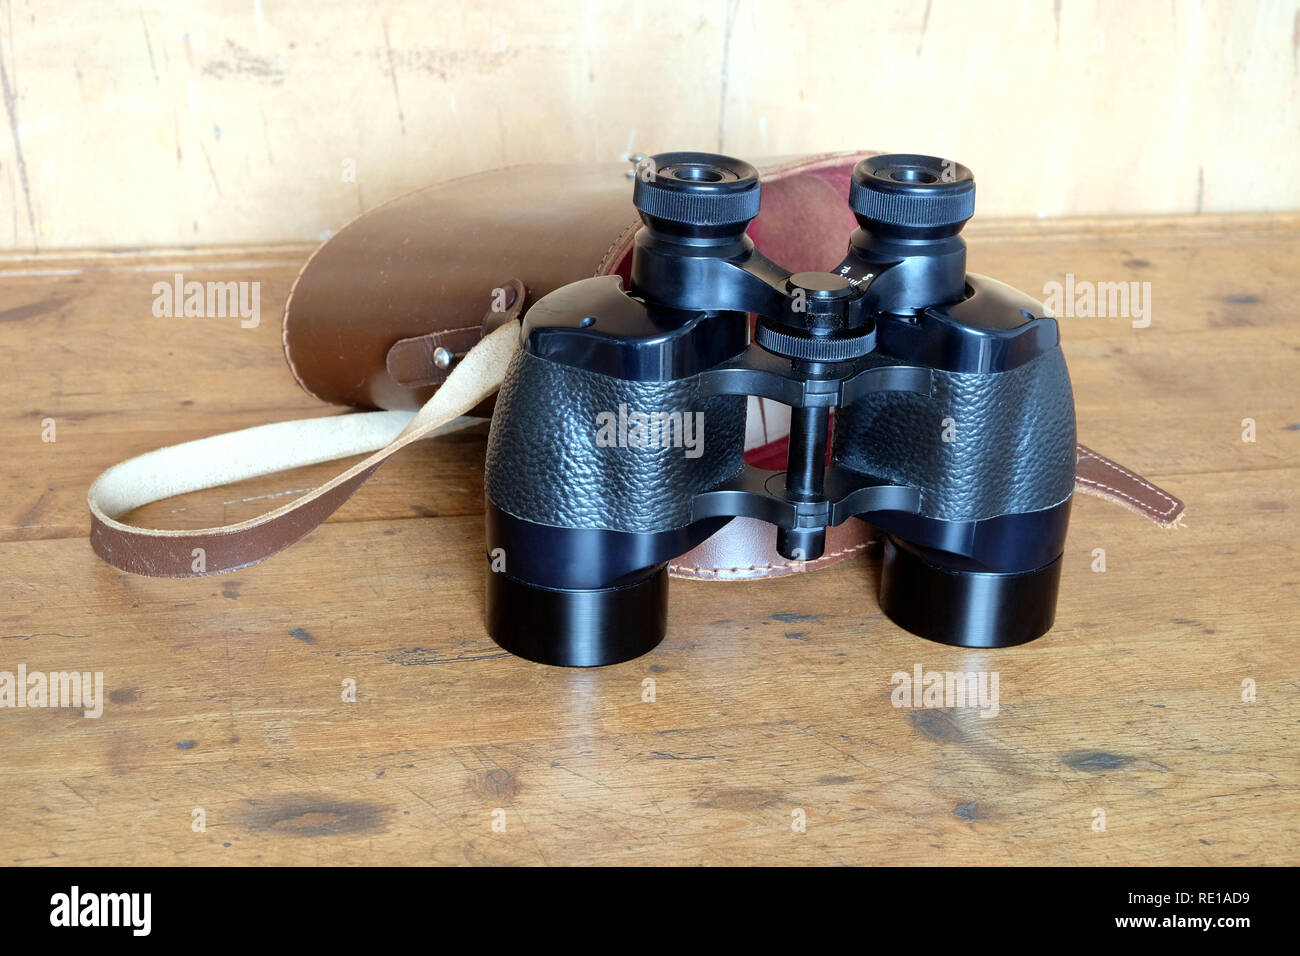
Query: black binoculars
[[618, 436]]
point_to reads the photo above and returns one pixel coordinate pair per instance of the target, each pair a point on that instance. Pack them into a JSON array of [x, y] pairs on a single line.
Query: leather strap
[[235, 456], [1097, 475]]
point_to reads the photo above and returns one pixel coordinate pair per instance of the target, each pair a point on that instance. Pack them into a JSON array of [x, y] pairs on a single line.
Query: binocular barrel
[[618, 435]]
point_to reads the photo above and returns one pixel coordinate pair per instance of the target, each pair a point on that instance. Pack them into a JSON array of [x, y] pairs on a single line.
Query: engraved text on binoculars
[[855, 281], [657, 429]]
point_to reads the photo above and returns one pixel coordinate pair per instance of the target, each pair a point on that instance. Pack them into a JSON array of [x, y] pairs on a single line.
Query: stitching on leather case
[[439, 333], [812, 162], [620, 241], [464, 328], [1146, 506], [683, 569]]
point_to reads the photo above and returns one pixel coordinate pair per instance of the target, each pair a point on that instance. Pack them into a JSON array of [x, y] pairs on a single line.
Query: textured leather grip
[[547, 464], [979, 446]]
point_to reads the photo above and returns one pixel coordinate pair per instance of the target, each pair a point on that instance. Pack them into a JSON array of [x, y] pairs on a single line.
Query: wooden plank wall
[[173, 124]]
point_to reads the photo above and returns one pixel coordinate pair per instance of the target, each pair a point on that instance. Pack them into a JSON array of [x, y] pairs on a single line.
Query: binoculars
[[932, 403]]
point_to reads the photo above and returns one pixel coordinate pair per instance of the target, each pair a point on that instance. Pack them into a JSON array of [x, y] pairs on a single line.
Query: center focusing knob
[[908, 196], [823, 320], [701, 195]]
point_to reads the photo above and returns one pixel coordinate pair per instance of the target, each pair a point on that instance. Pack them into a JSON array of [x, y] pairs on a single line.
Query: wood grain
[[225, 693]]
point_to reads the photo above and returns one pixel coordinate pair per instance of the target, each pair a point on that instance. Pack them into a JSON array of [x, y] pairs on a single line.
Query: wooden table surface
[[224, 693]]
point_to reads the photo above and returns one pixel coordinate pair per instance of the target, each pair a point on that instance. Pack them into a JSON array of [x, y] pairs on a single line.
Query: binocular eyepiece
[[903, 196], [912, 197], [696, 195]]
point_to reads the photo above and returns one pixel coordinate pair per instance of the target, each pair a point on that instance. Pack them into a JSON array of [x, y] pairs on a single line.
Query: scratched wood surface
[[224, 694]]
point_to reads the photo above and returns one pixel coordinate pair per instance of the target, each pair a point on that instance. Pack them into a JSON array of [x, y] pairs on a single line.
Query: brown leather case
[[374, 303]]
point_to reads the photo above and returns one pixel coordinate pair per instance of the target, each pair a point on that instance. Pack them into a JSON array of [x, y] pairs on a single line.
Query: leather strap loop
[[412, 361]]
